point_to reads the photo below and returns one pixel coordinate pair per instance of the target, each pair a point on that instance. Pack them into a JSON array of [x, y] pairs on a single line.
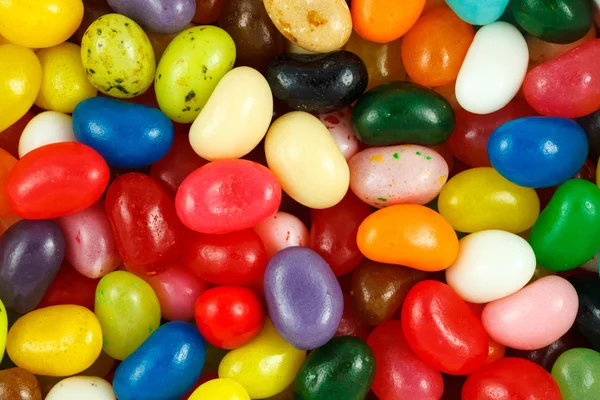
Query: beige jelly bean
[[235, 118], [316, 25], [306, 160]]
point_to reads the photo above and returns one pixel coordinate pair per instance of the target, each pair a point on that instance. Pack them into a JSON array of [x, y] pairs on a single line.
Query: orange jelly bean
[[434, 49], [408, 234], [383, 21], [7, 162]]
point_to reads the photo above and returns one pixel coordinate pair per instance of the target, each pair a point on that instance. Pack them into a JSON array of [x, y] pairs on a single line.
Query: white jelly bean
[[46, 128]]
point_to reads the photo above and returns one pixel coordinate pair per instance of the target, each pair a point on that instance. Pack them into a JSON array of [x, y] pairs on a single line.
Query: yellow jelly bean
[[64, 81], [480, 198], [39, 23], [220, 389], [306, 160], [3, 40], [55, 341], [265, 366], [3, 329], [20, 80]]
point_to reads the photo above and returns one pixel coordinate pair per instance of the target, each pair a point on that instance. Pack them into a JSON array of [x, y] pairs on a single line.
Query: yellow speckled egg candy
[[118, 57], [55, 341]]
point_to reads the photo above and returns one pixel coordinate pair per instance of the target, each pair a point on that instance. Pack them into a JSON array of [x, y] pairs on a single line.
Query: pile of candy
[[299, 199]]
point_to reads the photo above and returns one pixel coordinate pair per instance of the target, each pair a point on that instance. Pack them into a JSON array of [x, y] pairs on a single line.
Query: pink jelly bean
[[280, 231], [339, 124]]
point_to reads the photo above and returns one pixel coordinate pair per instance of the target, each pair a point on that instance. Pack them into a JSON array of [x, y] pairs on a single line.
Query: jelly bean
[[265, 366], [298, 145], [402, 112], [410, 235], [64, 80], [280, 231], [351, 324], [30, 255], [241, 257], [229, 316], [596, 7], [540, 51], [93, 9], [339, 124], [480, 199], [207, 11], [533, 317], [70, 287], [567, 85], [126, 135], [538, 151], [90, 244], [319, 26], [56, 180], [493, 70], [344, 366], [220, 389], [317, 82], [567, 232], [258, 40], [384, 21], [399, 373], [591, 125], [144, 223], [9, 140], [20, 81], [241, 194], [434, 48], [181, 90], [236, 117], [35, 23], [333, 233], [386, 176], [559, 21], [577, 373], [478, 12], [19, 384], [588, 314], [7, 162], [165, 366], [163, 16], [304, 299], [490, 265], [128, 311], [382, 60], [378, 290], [3, 329], [46, 128], [91, 387], [442, 330], [512, 378], [469, 140], [111, 66], [55, 341]]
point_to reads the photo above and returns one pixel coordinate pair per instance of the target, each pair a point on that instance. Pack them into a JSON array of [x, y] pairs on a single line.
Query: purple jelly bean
[[304, 298], [31, 253], [160, 16]]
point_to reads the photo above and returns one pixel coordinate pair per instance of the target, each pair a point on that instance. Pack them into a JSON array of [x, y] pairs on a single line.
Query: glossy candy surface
[[163, 16], [577, 372], [19, 384], [384, 21], [284, 230], [220, 389], [46, 128], [93, 388], [339, 124], [478, 12]]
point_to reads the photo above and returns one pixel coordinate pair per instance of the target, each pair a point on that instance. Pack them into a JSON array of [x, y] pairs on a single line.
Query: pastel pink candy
[[339, 124], [91, 247], [280, 231], [533, 317]]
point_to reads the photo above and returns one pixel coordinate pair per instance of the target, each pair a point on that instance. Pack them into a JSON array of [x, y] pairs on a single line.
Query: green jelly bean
[[577, 372]]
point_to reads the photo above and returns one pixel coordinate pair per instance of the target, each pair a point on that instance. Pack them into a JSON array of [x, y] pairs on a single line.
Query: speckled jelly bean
[[280, 231], [339, 124]]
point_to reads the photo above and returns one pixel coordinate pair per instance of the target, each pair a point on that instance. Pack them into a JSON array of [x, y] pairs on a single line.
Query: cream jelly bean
[[46, 128], [78, 387]]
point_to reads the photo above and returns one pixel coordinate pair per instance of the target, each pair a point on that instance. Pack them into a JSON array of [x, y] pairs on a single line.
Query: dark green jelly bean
[[343, 369], [567, 232], [587, 321], [402, 112], [577, 373], [591, 125], [555, 21]]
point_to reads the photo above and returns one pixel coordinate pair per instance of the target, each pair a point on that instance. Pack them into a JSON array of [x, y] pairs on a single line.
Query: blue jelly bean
[[538, 152], [164, 367], [478, 12], [127, 135]]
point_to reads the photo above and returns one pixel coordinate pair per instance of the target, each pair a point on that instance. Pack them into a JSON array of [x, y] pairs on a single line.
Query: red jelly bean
[[511, 379], [351, 325], [333, 233], [70, 287], [227, 196], [237, 258], [56, 180], [144, 223], [442, 330], [229, 316], [567, 86], [399, 373]]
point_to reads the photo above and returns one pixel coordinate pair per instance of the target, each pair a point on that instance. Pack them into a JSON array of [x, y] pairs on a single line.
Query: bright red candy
[[567, 86], [351, 325], [144, 223], [229, 316], [179, 162], [70, 287], [227, 196], [399, 373], [442, 330], [56, 180], [333, 233], [469, 139], [237, 258], [511, 379]]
